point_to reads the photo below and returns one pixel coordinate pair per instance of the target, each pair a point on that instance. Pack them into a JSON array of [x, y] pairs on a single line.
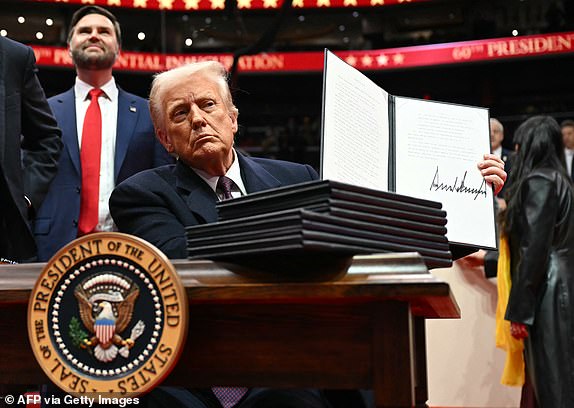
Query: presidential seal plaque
[[108, 316]]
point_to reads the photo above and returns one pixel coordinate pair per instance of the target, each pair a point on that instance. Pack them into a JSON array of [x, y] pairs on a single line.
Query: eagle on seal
[[106, 304]]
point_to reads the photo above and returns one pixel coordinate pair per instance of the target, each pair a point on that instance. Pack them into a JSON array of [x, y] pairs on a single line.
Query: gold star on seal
[[217, 4], [270, 3], [140, 3], [298, 3], [379, 2], [114, 3], [323, 3], [88, 1], [347, 3], [243, 4]]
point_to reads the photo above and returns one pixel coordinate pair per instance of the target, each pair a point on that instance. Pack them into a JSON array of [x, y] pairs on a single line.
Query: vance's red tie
[[90, 158]]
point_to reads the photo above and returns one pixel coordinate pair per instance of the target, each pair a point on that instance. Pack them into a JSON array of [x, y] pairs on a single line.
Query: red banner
[[193, 5], [392, 58]]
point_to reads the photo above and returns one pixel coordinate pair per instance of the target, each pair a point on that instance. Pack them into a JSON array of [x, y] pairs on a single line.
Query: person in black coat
[[30, 144], [539, 224]]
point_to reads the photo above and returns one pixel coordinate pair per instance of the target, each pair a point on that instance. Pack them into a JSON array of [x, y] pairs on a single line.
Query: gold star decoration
[[323, 3], [350, 3], [140, 3], [351, 60], [191, 4], [243, 4], [114, 3], [217, 4], [379, 2], [270, 3], [367, 61], [165, 4], [382, 60], [88, 1], [298, 3], [398, 59]]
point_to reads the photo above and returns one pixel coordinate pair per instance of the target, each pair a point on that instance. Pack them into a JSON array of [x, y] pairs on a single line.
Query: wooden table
[[363, 330]]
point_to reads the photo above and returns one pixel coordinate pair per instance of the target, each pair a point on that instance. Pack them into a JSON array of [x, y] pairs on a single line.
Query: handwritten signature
[[456, 187]]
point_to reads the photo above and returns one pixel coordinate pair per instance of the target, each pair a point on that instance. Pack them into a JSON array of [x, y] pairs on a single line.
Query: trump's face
[[198, 126]]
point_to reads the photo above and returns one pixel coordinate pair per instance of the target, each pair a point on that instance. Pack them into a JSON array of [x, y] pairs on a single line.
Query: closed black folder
[[318, 220]]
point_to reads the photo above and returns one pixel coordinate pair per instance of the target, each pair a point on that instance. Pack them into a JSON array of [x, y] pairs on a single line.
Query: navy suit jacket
[[137, 149], [30, 145], [158, 204]]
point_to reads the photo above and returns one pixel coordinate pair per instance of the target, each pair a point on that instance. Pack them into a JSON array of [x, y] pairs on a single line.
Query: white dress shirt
[[109, 108]]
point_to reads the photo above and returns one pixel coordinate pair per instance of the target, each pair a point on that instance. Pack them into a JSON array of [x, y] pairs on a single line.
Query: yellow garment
[[513, 373]]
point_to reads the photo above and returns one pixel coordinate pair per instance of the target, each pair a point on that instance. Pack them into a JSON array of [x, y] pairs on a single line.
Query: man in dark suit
[[128, 143], [195, 119], [30, 144]]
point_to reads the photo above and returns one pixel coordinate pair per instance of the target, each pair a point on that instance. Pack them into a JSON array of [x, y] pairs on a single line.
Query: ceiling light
[[301, 18], [49, 22], [515, 32], [21, 20], [141, 36], [188, 42], [3, 33], [39, 35]]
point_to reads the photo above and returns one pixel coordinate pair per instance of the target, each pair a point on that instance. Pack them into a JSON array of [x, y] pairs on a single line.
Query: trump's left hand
[[492, 169]]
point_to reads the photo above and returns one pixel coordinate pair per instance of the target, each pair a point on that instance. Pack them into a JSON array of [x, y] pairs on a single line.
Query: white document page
[[355, 127], [438, 146]]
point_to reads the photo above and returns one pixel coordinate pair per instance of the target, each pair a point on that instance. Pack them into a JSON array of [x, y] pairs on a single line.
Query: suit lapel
[[255, 177], [65, 111], [127, 118], [199, 197]]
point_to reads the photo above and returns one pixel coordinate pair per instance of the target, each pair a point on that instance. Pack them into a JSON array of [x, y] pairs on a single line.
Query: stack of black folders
[[318, 220]]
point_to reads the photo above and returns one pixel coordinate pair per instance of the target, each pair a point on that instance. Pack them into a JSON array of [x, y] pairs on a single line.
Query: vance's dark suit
[[158, 204], [30, 144], [137, 149]]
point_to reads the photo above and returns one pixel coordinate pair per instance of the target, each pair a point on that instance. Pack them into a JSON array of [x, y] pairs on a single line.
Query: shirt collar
[[82, 89], [234, 173]]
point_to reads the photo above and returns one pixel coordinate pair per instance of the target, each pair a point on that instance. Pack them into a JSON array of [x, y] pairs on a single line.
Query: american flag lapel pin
[[133, 109]]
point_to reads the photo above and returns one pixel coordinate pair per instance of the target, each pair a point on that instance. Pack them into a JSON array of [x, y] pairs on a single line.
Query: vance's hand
[[518, 330], [492, 169]]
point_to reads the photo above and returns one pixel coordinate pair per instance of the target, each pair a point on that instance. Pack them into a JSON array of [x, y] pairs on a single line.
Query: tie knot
[[95, 93], [224, 185]]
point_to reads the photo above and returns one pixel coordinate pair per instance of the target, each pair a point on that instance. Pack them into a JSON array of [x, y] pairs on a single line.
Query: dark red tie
[[90, 158], [224, 187]]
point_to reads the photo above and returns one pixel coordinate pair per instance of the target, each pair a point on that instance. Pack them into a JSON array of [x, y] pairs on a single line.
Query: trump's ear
[[165, 140], [234, 127]]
